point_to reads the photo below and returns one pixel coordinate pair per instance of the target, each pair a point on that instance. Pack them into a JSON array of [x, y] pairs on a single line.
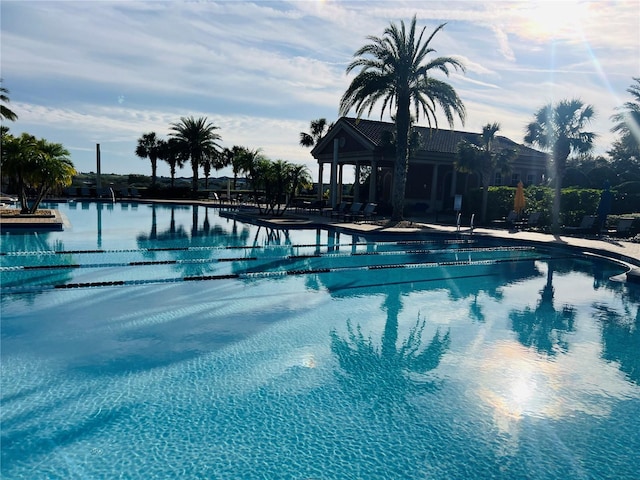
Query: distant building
[[432, 179]]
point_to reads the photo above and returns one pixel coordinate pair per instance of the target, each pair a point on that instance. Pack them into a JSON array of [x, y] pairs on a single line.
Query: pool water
[[163, 341]]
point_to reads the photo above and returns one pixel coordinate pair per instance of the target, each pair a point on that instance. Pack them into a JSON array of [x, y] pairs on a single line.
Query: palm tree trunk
[[402, 154], [154, 168], [194, 179]]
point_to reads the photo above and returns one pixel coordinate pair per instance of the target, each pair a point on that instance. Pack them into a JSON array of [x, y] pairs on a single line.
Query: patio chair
[[623, 228], [339, 210], [367, 213], [532, 220], [353, 212], [587, 225], [510, 221]]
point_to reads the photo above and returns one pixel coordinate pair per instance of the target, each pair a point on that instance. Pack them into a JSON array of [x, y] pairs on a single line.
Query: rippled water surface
[[168, 342]]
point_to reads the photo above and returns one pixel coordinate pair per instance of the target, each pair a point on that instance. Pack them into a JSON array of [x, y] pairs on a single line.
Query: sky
[[89, 72]]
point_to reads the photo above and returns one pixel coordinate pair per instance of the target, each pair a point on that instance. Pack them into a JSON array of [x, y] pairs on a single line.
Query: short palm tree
[[171, 153], [234, 157], [395, 69], [54, 169], [317, 130], [150, 146], [197, 139], [484, 159], [559, 129], [213, 159], [36, 164], [248, 163], [6, 112]]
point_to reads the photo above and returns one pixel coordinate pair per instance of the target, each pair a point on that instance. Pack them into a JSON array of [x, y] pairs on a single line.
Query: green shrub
[[575, 202]]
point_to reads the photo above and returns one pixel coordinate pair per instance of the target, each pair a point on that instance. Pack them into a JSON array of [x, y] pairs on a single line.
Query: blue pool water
[[167, 342]]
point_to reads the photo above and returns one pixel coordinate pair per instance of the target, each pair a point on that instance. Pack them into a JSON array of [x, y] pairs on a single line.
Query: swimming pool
[[163, 341]]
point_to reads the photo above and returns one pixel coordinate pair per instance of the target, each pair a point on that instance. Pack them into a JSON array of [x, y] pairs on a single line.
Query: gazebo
[[432, 180]]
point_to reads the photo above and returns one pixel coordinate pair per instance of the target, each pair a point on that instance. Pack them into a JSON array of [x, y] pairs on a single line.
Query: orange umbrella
[[519, 202]]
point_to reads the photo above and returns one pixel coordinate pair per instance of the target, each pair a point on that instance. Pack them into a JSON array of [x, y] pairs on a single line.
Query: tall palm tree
[[394, 69], [6, 112], [484, 159], [150, 146], [560, 129], [197, 139], [317, 130], [628, 117], [625, 151]]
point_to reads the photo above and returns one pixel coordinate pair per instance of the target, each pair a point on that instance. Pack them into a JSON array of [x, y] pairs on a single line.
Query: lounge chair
[[339, 210], [510, 221], [532, 220], [623, 228], [587, 225], [317, 206], [354, 211], [367, 213]]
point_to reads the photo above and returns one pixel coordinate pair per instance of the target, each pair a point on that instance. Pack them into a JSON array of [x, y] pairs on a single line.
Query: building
[[432, 180]]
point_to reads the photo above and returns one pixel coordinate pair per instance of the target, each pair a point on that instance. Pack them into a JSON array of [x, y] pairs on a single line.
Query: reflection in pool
[[214, 349]]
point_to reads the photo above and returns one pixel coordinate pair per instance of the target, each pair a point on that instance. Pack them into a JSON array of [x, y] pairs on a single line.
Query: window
[[498, 179], [515, 178], [530, 179]]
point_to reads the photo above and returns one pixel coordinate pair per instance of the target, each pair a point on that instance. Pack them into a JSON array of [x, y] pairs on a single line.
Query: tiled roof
[[440, 140]]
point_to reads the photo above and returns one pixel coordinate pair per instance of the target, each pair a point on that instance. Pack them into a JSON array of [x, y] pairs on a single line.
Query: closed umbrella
[[519, 202]]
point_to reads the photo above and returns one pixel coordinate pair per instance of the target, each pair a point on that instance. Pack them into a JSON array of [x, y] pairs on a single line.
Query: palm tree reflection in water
[[196, 245], [388, 373], [545, 327]]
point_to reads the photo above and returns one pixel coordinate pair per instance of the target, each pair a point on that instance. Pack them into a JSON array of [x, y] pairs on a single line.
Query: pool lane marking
[[232, 247], [258, 275], [196, 261]]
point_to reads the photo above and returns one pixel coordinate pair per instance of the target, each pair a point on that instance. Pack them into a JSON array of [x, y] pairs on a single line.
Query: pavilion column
[[340, 189], [356, 184], [434, 188], [454, 182], [320, 176], [334, 173], [372, 181]]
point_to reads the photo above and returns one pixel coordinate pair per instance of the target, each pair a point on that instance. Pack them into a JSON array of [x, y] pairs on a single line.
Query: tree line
[[192, 140]]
